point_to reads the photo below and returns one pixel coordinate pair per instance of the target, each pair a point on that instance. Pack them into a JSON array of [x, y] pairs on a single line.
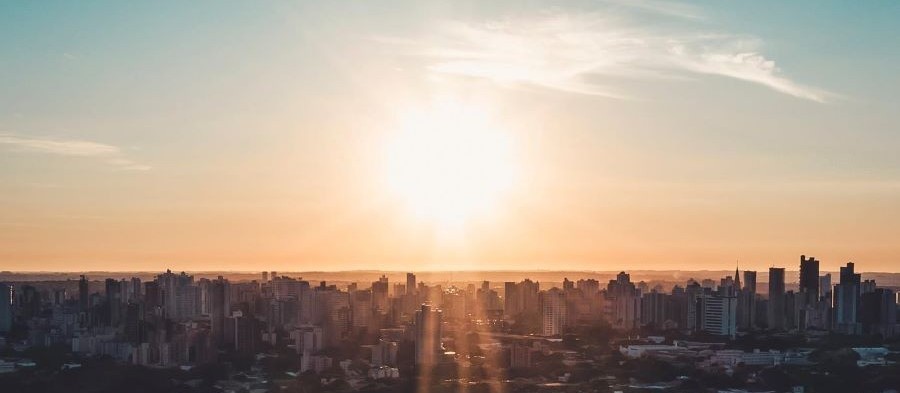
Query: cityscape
[[449, 196], [281, 333]]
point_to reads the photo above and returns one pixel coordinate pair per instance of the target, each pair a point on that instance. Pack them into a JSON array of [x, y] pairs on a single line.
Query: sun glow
[[449, 163]]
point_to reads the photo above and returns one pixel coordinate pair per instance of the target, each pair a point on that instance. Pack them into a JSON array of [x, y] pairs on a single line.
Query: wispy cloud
[[585, 52], [110, 154], [667, 8]]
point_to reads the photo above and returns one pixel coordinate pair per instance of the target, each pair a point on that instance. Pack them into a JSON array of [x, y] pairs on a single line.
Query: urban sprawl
[[286, 334]]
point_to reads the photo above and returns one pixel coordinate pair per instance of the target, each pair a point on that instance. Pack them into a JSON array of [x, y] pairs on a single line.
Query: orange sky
[[347, 136]]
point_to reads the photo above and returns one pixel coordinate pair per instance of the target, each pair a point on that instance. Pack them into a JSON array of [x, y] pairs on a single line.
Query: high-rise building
[[59, 296], [133, 323], [512, 299], [825, 287], [718, 315], [83, 294], [521, 297], [530, 292], [809, 280], [245, 332], [410, 284], [308, 339], [152, 296], [380, 296], [878, 312], [284, 288], [6, 314], [428, 336], [113, 302], [692, 293], [776, 310], [750, 280], [867, 286], [361, 308], [180, 297], [846, 301], [553, 312], [746, 308], [625, 302], [136, 287], [653, 308], [218, 309], [589, 287], [332, 312]]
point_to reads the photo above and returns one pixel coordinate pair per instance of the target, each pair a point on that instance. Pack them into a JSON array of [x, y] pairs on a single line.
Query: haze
[[413, 136]]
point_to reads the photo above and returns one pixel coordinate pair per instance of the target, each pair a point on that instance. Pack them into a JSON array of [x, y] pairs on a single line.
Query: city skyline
[[420, 333], [466, 196]]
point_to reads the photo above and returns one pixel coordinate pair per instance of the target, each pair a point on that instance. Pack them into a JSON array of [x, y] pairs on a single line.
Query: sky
[[418, 135]]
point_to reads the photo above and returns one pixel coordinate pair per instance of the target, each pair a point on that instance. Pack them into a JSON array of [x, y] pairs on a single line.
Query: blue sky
[[227, 133]]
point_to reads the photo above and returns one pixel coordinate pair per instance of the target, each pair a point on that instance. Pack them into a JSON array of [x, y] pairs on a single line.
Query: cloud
[[110, 154], [584, 52], [667, 8]]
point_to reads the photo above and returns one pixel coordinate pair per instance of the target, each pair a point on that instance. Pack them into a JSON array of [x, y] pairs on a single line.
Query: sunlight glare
[[449, 163]]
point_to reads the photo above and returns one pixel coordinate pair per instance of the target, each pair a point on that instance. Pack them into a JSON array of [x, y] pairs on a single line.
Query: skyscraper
[[776, 309], [809, 280], [553, 312], [83, 294], [512, 299], [692, 293], [428, 336], [361, 308], [878, 312], [625, 301], [180, 298], [846, 301], [746, 308], [6, 295], [136, 288], [218, 310], [410, 284], [530, 292], [653, 309], [750, 280], [113, 301], [380, 295], [825, 286]]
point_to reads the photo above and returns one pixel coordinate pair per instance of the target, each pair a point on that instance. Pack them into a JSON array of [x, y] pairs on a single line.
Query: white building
[[718, 315]]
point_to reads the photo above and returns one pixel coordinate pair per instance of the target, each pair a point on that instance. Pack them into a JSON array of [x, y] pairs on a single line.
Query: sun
[[450, 163]]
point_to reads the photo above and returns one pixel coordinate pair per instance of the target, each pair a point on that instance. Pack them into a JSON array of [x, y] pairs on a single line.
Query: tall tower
[[83, 294], [809, 280], [746, 317], [428, 336], [114, 301], [846, 301], [410, 284], [218, 291], [553, 312], [776, 310], [6, 295]]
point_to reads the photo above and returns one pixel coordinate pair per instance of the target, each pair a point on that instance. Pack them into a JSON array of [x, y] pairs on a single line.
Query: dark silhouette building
[[776, 310]]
